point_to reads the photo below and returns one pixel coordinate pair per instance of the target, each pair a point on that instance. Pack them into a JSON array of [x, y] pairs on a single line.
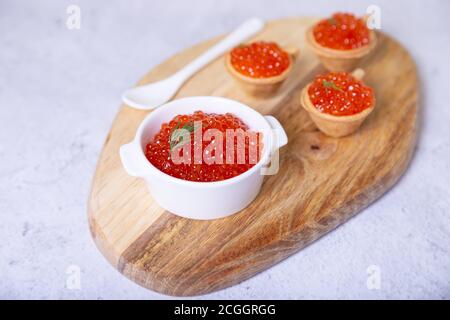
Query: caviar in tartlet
[[340, 94], [159, 150], [260, 59], [343, 31]]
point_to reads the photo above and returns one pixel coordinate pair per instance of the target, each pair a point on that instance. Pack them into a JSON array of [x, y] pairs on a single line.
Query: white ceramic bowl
[[201, 200]]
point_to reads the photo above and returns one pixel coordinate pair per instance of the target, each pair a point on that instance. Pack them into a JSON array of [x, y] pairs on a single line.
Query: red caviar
[[343, 31], [340, 94], [159, 150], [260, 59]]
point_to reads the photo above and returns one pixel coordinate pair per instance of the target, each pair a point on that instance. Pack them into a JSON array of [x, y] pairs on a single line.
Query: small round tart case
[[331, 125], [340, 60], [262, 87]]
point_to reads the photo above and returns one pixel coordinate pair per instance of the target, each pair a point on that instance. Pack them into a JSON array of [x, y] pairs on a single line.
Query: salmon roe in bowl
[[260, 59], [340, 94], [343, 31], [160, 150]]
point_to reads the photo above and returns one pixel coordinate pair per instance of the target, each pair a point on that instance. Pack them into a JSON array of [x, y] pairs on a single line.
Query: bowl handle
[[281, 138], [132, 159]]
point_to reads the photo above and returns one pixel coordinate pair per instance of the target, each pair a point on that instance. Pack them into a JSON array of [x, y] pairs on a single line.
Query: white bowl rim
[[200, 184]]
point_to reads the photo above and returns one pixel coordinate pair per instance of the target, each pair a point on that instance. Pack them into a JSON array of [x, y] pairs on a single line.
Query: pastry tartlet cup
[[331, 125], [340, 60], [261, 87]]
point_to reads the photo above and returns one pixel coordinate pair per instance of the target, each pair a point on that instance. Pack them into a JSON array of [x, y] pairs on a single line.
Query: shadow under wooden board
[[322, 181]]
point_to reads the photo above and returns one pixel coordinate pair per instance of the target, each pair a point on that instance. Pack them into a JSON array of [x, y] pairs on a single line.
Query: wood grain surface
[[322, 181]]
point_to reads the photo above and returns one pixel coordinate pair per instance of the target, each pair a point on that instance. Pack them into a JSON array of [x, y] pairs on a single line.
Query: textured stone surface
[[60, 89]]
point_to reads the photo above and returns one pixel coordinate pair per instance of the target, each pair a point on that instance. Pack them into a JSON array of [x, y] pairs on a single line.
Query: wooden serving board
[[322, 181]]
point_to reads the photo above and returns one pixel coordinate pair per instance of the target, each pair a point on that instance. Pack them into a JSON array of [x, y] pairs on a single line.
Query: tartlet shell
[[261, 87], [340, 60], [331, 125]]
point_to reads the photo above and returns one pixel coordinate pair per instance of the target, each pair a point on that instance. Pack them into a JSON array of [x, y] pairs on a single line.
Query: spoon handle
[[241, 33]]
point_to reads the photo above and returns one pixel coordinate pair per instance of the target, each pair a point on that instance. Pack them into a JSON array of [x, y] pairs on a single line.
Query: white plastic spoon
[[154, 94]]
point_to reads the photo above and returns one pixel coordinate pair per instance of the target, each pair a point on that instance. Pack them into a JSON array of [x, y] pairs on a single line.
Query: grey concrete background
[[60, 89]]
